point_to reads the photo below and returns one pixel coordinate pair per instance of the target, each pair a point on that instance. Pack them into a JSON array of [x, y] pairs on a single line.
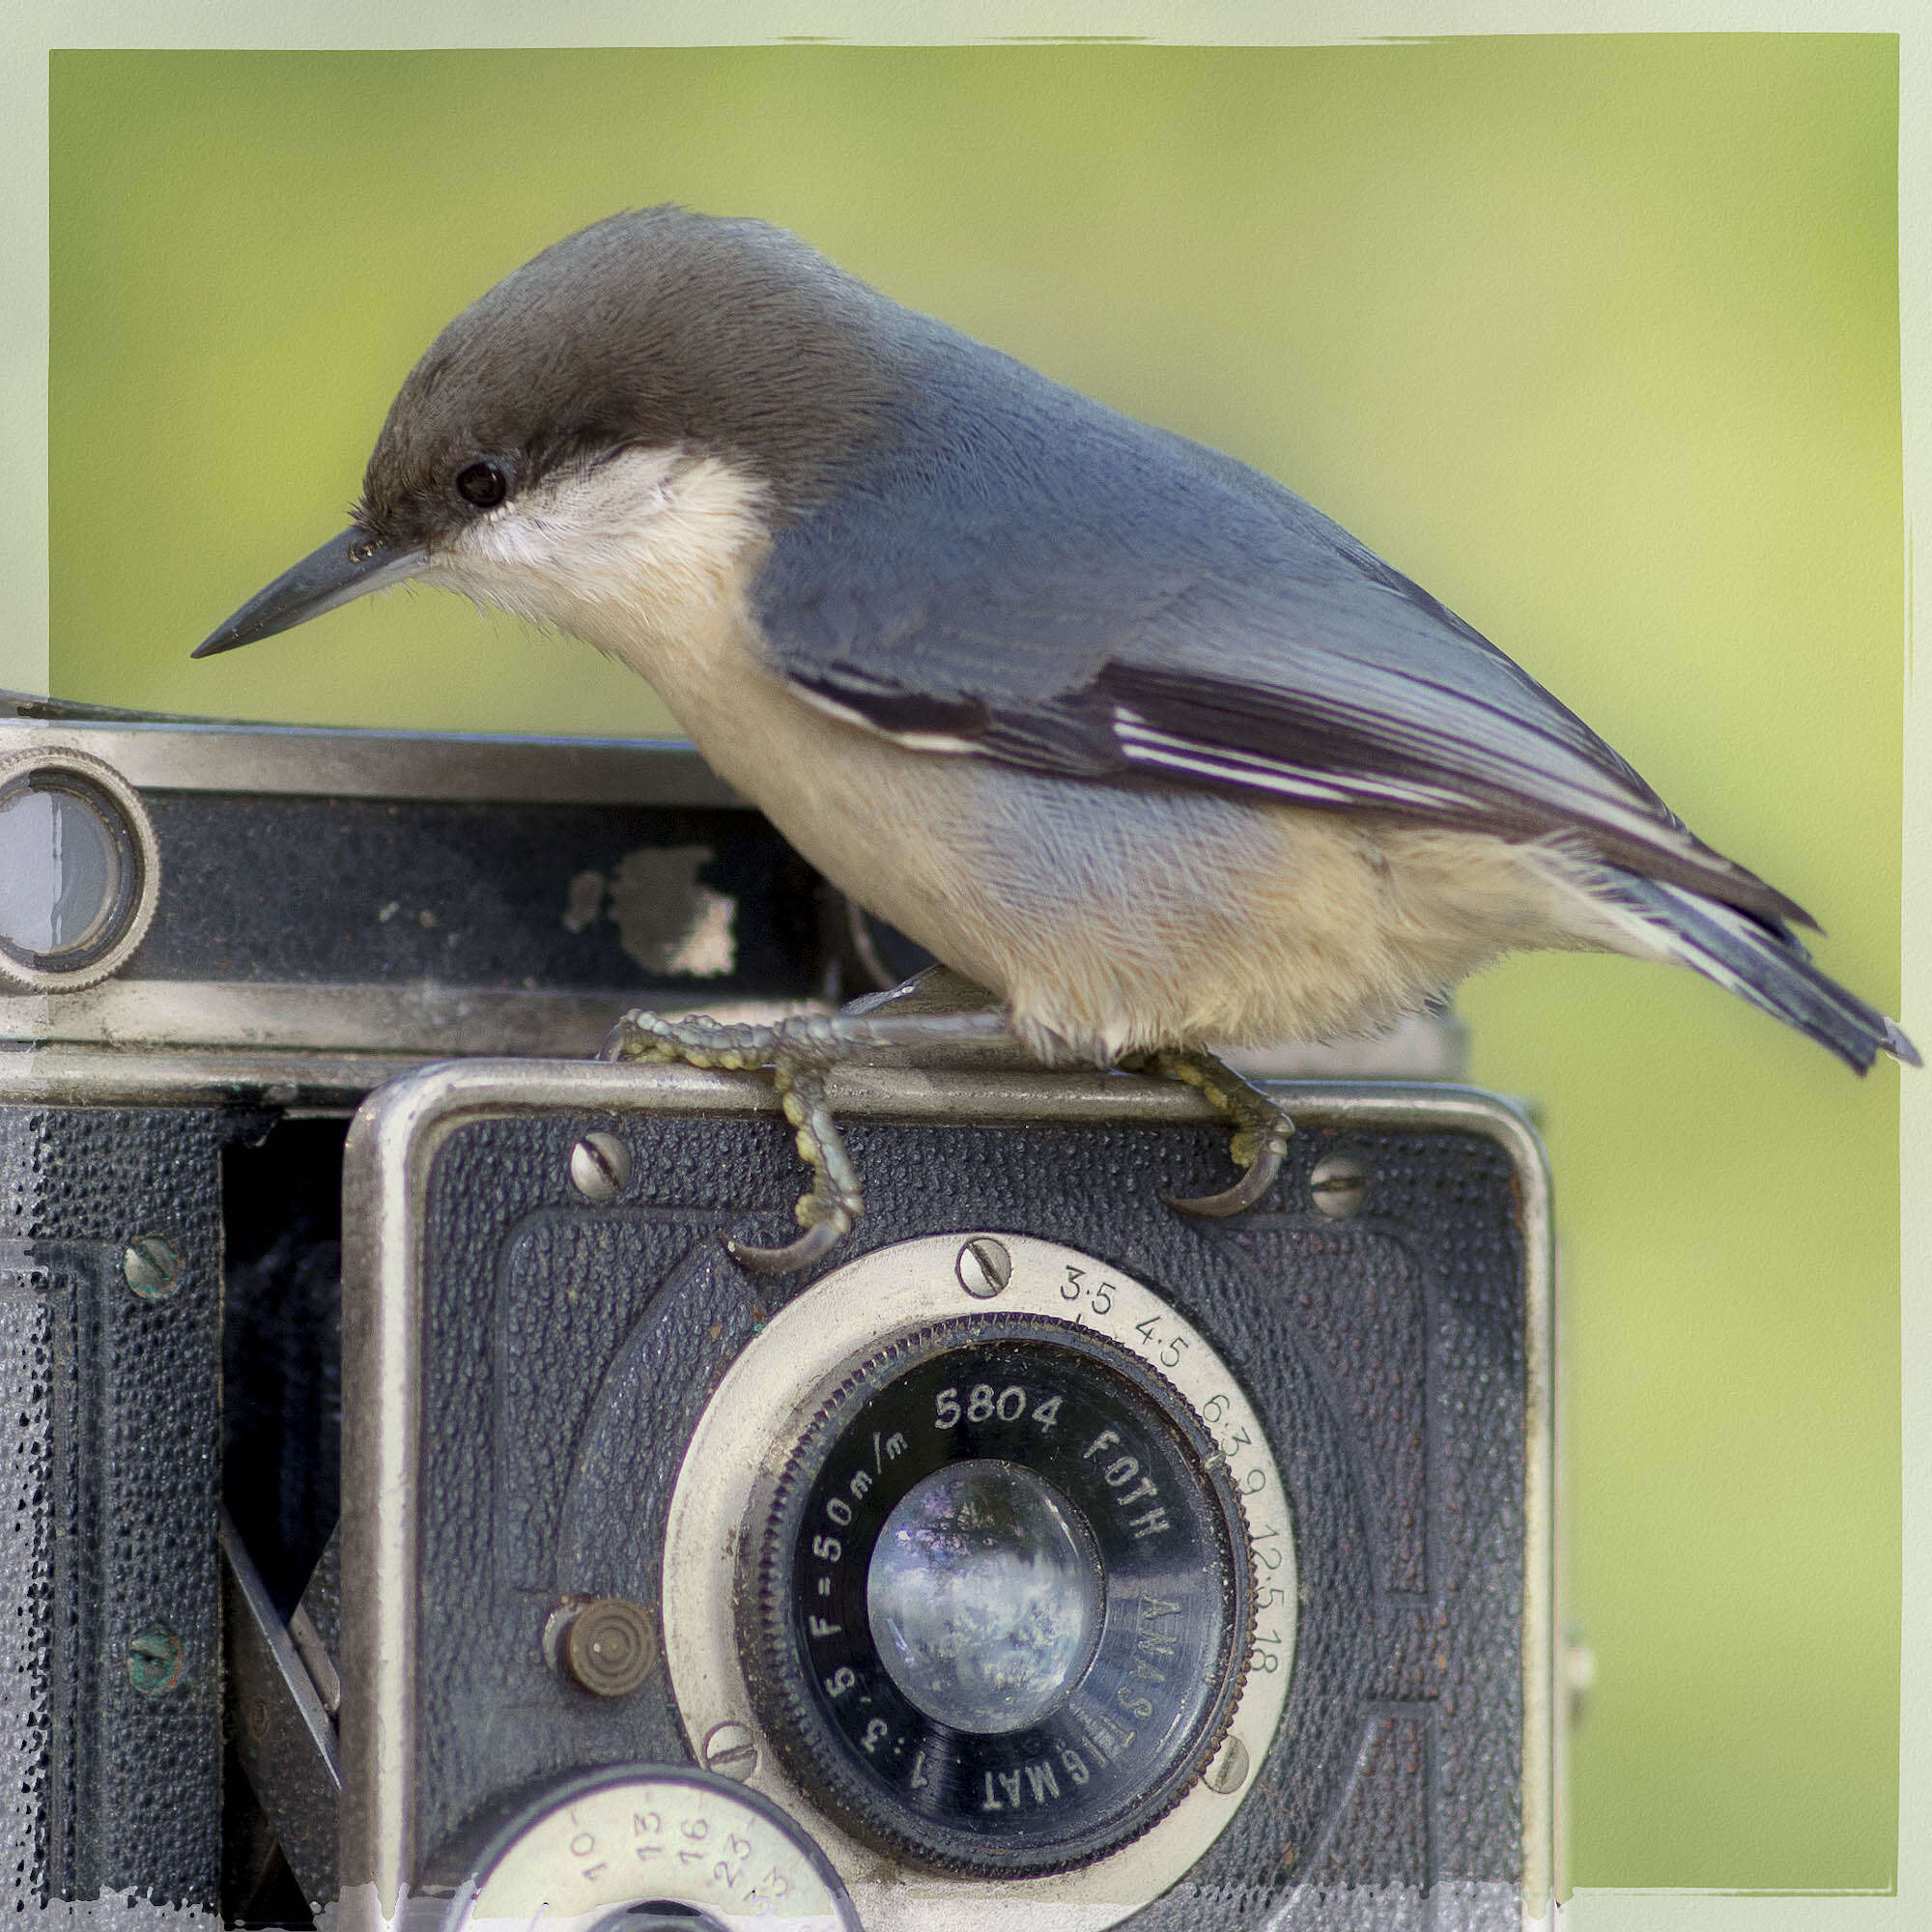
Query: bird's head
[[638, 404]]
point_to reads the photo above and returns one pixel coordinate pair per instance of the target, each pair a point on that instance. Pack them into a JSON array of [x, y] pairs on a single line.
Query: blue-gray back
[[1059, 586]]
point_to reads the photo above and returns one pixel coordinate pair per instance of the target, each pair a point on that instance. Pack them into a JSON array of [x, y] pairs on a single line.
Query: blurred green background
[[1596, 338]]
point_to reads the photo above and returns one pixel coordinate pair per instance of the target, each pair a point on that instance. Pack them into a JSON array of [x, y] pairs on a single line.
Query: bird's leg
[[1261, 1128], [798, 1054], [834, 1201]]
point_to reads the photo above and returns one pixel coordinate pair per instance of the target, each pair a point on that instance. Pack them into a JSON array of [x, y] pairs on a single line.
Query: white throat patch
[[632, 554]]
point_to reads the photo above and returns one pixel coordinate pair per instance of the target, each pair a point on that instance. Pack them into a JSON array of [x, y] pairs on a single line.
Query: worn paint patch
[[668, 919]]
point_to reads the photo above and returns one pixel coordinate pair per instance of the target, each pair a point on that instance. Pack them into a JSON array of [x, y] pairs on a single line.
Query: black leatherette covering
[[108, 1473]]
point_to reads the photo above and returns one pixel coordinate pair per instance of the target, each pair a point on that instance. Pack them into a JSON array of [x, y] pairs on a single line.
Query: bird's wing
[[1155, 613]]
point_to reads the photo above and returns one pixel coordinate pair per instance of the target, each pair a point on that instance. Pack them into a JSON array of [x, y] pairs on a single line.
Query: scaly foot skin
[[798, 1054], [1261, 1128]]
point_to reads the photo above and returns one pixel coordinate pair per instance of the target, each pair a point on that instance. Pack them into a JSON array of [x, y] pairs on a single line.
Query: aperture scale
[[641, 1846]]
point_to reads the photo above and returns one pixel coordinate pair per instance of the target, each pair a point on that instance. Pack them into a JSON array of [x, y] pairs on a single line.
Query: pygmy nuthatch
[[1113, 726]]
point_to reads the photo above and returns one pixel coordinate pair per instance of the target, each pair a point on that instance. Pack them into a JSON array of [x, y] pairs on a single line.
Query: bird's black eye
[[483, 484]]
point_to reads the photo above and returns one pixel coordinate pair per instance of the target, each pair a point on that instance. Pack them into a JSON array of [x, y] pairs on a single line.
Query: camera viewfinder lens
[[79, 870], [59, 870]]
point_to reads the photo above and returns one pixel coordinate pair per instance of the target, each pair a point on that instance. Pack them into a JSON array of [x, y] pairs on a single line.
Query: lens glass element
[[985, 1595], [59, 870]]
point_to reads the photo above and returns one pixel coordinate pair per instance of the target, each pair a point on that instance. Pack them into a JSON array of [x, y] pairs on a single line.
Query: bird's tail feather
[[1760, 962]]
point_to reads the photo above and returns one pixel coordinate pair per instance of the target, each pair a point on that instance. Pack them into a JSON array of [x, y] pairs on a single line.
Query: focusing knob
[[640, 1848], [1003, 1600]]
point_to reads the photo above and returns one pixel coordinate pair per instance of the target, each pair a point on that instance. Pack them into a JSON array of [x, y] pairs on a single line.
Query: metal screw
[[604, 1646], [984, 1268], [600, 1164], [156, 1660], [152, 1266], [731, 1750], [1338, 1185], [1230, 1770]]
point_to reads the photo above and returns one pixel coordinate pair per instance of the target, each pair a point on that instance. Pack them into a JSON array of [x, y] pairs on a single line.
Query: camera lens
[[1004, 1597], [984, 1596]]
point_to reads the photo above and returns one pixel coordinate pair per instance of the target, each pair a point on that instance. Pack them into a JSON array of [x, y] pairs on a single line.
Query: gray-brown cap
[[658, 329]]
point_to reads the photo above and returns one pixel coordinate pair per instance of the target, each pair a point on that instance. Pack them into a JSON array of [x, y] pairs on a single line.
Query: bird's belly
[[1115, 919], [1126, 919], [898, 831], [1112, 918]]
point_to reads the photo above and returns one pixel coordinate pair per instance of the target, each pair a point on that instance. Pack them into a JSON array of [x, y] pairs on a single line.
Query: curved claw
[[814, 1246], [1235, 1200]]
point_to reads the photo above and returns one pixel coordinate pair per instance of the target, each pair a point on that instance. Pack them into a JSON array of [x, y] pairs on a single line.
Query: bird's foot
[[799, 1054], [1261, 1128]]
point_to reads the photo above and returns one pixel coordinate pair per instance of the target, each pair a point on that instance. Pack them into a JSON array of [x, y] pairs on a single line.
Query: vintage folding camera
[[1041, 1558]]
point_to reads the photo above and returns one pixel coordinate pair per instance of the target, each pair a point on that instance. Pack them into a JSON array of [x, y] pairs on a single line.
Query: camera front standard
[[1047, 1559]]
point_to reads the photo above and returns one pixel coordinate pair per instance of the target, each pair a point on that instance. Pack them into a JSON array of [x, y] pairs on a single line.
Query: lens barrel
[[1003, 1600]]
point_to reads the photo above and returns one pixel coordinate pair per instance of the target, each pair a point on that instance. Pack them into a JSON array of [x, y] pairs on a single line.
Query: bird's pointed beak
[[346, 567]]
